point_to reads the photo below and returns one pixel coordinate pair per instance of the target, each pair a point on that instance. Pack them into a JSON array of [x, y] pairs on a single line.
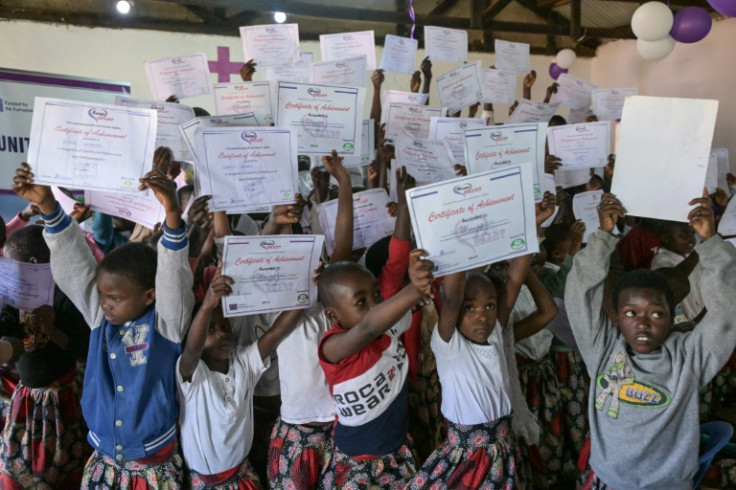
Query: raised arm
[[546, 309], [281, 328], [377, 79], [426, 68], [529, 83], [344, 220], [452, 291]]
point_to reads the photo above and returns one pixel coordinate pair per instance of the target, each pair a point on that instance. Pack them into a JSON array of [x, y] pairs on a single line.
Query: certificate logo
[[415, 110], [518, 244], [158, 107], [347, 37], [341, 65], [348, 146], [177, 61], [465, 189], [303, 298], [271, 30], [251, 137], [315, 92], [582, 129], [463, 124], [498, 136], [415, 99], [269, 245], [99, 114], [124, 211]]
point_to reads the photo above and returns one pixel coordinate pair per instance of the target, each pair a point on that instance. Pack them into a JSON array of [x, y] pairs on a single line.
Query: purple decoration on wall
[[223, 66]]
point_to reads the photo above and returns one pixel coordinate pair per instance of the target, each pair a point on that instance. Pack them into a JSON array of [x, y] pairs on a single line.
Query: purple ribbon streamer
[[413, 18]]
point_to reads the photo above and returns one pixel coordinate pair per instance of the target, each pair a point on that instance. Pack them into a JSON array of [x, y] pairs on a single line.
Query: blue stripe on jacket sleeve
[[57, 221], [175, 239]]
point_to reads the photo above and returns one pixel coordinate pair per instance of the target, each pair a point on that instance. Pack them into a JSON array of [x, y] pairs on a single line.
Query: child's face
[[680, 239], [357, 293], [561, 250], [644, 318], [538, 261], [121, 299], [220, 339], [479, 310], [501, 269]]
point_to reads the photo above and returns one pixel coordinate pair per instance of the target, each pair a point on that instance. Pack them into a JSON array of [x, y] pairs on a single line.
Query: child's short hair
[[645, 279], [134, 261], [557, 120], [377, 256], [555, 236], [28, 243], [329, 280]]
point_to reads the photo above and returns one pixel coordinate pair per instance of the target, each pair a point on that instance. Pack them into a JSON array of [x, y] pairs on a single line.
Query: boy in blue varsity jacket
[[129, 396]]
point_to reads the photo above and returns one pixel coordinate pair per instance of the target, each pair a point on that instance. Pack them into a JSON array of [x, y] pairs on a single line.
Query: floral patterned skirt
[[390, 471], [242, 477], [298, 456]]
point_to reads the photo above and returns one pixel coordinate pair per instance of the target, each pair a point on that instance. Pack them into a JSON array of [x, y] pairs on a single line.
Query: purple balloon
[[555, 71], [691, 24], [725, 7]]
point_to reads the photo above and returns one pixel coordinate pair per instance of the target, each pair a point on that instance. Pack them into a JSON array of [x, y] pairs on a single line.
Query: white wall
[[703, 70]]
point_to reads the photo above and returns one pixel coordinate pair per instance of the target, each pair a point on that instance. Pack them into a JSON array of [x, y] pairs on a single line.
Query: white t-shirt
[[536, 346], [216, 412], [248, 329], [474, 378]]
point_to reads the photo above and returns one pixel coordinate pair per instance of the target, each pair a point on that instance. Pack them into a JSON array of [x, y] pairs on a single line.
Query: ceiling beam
[[575, 13], [494, 9], [442, 6]]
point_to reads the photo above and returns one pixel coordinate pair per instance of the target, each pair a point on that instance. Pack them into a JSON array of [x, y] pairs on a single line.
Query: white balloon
[[652, 21], [565, 58], [655, 50]]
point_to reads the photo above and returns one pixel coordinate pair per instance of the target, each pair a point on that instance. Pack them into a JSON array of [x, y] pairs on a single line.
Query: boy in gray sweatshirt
[[643, 402]]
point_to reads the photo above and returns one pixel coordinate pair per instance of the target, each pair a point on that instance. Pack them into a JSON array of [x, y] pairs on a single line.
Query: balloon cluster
[[657, 29], [564, 60]]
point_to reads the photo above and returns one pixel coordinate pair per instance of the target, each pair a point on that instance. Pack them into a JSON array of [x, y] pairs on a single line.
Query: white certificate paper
[[585, 208], [443, 44], [248, 167], [512, 56], [475, 220], [367, 147], [571, 178], [271, 273], [242, 97], [80, 145], [297, 73], [170, 117], [399, 97], [428, 161], [499, 86], [452, 130], [496, 147], [349, 44], [272, 44], [371, 221], [350, 72], [324, 117], [581, 145], [193, 138], [664, 145], [24, 285], [727, 225], [460, 87], [399, 54], [182, 76], [573, 92], [722, 165], [142, 208], [532, 112], [609, 102], [413, 119]]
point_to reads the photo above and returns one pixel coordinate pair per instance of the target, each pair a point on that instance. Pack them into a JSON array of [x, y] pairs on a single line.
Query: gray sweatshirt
[[644, 407]]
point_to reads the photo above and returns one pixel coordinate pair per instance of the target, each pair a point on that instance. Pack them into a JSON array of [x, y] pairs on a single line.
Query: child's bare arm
[[518, 269], [344, 220], [451, 295], [377, 79], [281, 328], [404, 181], [529, 83], [546, 309]]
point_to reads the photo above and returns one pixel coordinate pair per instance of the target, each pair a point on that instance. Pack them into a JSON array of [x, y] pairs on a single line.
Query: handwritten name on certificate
[[348, 44], [460, 87], [371, 221], [80, 145], [349, 72], [183, 76], [248, 167], [609, 103], [476, 220], [502, 146], [272, 44], [532, 112], [499, 87], [428, 161], [512, 56], [238, 98], [452, 130], [399, 54], [170, 117], [573, 92], [414, 119], [24, 285], [271, 273], [324, 117], [297, 73], [443, 44], [581, 145], [142, 208]]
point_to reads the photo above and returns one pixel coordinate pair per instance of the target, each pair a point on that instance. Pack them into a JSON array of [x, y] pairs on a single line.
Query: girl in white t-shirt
[[215, 379], [473, 371]]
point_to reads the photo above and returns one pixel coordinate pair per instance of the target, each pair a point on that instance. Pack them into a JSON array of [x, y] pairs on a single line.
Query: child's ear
[[331, 315], [150, 296]]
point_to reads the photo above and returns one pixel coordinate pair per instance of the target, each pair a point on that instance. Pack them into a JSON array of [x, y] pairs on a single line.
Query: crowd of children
[[585, 366]]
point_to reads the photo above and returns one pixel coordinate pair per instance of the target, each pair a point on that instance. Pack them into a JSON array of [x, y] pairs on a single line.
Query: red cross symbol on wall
[[223, 66]]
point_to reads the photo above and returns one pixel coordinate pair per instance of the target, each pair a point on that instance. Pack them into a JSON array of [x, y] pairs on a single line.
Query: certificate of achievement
[[349, 72], [272, 44], [248, 167], [512, 56], [727, 225], [609, 103], [496, 147], [193, 139], [271, 273], [452, 130], [499, 87], [573, 92], [443, 44], [399, 54], [548, 185], [24, 285], [367, 147], [182, 76], [399, 97], [460, 87], [347, 45], [413, 119], [532, 112], [571, 178], [298, 73], [585, 208], [475, 220], [170, 117], [81, 145], [371, 221], [238, 98], [324, 117], [142, 208], [428, 161], [581, 145]]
